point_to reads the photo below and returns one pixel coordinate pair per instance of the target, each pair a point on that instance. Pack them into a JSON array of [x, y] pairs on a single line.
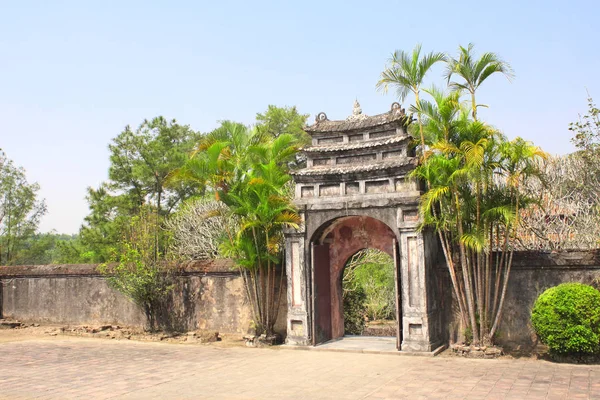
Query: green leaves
[[20, 210], [475, 71], [247, 170], [140, 173], [406, 71], [277, 121], [567, 319], [137, 269]]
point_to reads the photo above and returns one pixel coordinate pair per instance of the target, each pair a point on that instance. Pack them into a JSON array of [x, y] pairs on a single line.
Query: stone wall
[[210, 295], [532, 274], [207, 295]]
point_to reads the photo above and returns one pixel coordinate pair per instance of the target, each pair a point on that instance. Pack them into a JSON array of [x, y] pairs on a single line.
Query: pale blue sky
[[74, 73]]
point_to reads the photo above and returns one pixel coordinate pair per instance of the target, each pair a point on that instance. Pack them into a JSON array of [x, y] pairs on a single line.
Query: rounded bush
[[567, 319]]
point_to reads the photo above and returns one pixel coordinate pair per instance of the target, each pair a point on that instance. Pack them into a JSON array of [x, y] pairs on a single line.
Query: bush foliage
[[567, 319], [138, 270], [354, 311]]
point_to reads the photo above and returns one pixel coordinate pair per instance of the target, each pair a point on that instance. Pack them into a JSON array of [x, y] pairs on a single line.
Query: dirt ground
[[34, 331], [30, 331]]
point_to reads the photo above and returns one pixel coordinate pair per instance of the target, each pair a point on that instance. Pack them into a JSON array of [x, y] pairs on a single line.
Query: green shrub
[[567, 319], [138, 270], [354, 311], [377, 280], [372, 271]]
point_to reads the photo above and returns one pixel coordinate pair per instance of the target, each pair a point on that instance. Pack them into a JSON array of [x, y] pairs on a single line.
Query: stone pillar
[[297, 314], [415, 320]]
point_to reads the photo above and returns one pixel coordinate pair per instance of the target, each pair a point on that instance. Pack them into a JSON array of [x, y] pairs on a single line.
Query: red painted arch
[[346, 236]]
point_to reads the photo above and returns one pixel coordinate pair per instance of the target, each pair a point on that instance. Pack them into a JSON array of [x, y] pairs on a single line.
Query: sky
[[73, 74]]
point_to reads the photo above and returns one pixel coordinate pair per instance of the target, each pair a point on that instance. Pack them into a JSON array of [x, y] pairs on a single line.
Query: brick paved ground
[[93, 368]]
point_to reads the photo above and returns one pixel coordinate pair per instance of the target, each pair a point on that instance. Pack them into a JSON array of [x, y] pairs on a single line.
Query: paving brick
[[99, 369]]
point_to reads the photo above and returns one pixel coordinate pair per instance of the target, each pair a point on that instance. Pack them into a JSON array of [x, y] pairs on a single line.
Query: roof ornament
[[321, 117], [356, 110], [397, 108], [357, 114]]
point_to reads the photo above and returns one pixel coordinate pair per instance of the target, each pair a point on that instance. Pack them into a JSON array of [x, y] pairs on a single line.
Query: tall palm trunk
[[473, 104], [466, 272], [419, 120], [508, 268]]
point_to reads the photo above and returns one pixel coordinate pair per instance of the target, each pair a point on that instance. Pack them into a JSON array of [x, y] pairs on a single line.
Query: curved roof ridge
[[351, 168], [322, 124], [356, 145]]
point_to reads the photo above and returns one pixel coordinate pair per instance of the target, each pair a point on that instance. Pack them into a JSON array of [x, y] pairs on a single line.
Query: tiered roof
[[408, 163], [365, 144], [392, 125]]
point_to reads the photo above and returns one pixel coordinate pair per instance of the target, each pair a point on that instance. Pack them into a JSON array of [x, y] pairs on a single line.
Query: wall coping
[[568, 259], [203, 267]]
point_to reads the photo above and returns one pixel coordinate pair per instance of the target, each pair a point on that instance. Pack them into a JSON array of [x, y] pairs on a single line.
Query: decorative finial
[[321, 117], [357, 114], [356, 110], [397, 108]]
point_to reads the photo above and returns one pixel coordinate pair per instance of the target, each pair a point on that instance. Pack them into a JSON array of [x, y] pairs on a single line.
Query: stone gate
[[355, 193]]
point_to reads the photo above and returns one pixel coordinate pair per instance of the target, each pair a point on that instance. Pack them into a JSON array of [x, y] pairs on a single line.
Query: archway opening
[[369, 290], [332, 246]]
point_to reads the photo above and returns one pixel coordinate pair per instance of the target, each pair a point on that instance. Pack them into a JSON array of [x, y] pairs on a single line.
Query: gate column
[[298, 324]]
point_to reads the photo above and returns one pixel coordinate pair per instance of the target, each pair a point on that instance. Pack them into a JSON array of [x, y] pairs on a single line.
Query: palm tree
[[473, 211], [406, 72], [475, 72], [264, 211], [521, 163], [439, 116], [248, 171]]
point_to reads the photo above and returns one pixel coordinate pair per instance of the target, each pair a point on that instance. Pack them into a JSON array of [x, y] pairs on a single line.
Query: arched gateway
[[354, 194]]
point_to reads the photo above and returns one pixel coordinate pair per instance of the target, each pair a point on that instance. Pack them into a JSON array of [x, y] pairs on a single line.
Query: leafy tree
[[586, 139], [587, 129], [371, 272], [354, 310], [406, 72], [474, 201], [474, 72], [246, 170], [46, 248], [138, 269], [141, 161], [567, 213], [474, 179], [20, 209], [105, 225], [277, 121], [198, 229], [69, 251]]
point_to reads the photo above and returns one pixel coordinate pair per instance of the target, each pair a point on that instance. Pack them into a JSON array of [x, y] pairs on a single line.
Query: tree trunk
[[474, 105], [422, 135], [466, 275]]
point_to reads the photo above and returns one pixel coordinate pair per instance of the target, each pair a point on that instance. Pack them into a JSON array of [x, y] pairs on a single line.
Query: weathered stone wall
[[206, 296], [211, 296], [532, 273]]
